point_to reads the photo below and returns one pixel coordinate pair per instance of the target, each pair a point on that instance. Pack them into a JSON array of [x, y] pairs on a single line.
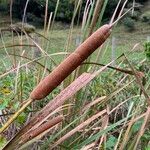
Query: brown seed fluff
[[50, 82]]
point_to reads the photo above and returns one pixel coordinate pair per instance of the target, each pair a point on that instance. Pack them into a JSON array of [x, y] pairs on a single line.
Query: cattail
[[33, 133], [49, 83]]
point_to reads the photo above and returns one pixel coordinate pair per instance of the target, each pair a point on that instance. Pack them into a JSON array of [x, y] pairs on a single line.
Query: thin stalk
[[102, 13], [11, 4], [29, 101], [95, 15], [24, 13], [45, 18], [56, 9]]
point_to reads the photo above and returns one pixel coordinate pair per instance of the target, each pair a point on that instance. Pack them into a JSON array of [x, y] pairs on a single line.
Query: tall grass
[[108, 106]]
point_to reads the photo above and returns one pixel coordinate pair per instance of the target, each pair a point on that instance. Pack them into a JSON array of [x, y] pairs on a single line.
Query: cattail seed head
[[49, 83]]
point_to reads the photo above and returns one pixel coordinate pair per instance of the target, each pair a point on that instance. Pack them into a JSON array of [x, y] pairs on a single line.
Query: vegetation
[[147, 50], [102, 104], [65, 9], [129, 23], [146, 17]]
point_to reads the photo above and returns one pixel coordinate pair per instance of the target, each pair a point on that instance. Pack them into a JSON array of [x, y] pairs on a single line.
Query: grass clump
[[20, 27], [146, 17], [129, 24]]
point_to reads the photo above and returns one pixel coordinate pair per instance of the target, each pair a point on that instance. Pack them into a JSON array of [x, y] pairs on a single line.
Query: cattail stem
[[29, 101]]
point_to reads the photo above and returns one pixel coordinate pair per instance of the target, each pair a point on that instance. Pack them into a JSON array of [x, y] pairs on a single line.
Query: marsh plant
[[67, 97]]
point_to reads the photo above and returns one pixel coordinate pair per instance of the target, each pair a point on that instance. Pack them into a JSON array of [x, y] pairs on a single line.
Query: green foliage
[[136, 127], [65, 10], [147, 50], [141, 1], [34, 19], [111, 142], [36, 13], [36, 9], [6, 91], [3, 5], [135, 15], [145, 140], [146, 17], [3, 141], [21, 118], [129, 24], [147, 148]]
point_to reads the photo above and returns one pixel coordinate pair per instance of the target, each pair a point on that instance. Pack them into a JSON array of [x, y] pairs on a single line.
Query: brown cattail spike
[[49, 83], [33, 133]]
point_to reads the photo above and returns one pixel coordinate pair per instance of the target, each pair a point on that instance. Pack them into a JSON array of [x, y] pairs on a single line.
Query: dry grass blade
[[10, 9], [45, 19], [124, 124], [68, 42], [116, 21], [95, 15], [142, 130], [120, 104], [56, 9], [137, 118], [24, 57], [85, 14], [126, 135], [130, 72], [93, 103], [114, 14], [25, 10], [138, 77], [18, 45], [88, 147], [123, 6], [34, 60], [105, 122], [37, 45], [14, 69], [49, 23], [79, 127]]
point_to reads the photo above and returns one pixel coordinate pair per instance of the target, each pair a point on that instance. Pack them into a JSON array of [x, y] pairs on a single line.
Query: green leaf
[[137, 126], [3, 104], [111, 142], [21, 118], [147, 148], [2, 141]]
